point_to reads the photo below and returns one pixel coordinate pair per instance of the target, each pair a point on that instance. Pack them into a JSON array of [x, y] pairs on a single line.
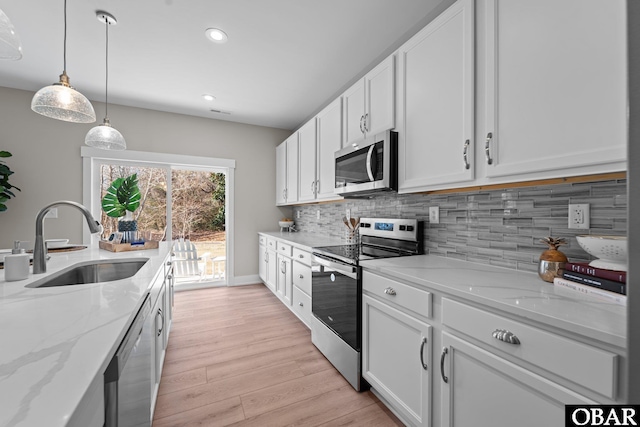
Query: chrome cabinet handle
[[301, 304], [161, 317], [301, 276], [366, 121], [506, 336], [390, 291], [283, 267], [467, 165], [424, 365], [487, 145], [317, 187], [442, 356], [300, 256], [362, 124]]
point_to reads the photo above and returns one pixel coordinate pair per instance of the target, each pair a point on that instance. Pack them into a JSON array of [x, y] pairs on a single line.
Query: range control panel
[[403, 229]]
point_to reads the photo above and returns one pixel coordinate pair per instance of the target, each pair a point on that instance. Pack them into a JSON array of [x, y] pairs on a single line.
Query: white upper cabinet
[[555, 88], [307, 161], [287, 171], [369, 105], [436, 102], [329, 123]]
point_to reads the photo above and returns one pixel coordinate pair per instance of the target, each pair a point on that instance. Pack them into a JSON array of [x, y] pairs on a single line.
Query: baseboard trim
[[251, 279]]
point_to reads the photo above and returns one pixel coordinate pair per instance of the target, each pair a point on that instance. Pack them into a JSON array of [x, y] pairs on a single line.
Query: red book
[[584, 268]]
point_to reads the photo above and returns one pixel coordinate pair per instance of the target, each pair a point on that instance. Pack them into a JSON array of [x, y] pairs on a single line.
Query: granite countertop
[[56, 340], [520, 293]]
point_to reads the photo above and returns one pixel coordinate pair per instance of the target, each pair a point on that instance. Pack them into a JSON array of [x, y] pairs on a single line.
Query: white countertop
[[520, 293], [56, 340], [304, 240]]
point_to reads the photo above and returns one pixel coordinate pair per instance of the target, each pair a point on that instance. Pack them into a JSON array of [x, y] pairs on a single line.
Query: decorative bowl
[[285, 224], [611, 251]]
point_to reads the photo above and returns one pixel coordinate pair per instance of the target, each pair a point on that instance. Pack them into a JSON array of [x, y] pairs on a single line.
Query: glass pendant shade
[[10, 46], [106, 137], [62, 102]]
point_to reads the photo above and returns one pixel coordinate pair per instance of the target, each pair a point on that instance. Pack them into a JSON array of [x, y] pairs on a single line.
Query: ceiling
[[284, 60]]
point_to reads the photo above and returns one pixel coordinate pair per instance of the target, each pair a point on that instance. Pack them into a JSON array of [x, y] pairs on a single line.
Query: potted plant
[[5, 186], [121, 200]]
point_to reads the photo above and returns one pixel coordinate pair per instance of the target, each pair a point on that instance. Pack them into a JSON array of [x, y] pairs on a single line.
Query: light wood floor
[[237, 356]]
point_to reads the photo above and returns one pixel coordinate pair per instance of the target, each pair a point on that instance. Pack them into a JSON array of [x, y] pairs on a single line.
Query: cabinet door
[[380, 97], [262, 263], [483, 389], [281, 174], [353, 114], [307, 161], [436, 102], [555, 87], [285, 279], [329, 122], [292, 169], [394, 348], [272, 270]]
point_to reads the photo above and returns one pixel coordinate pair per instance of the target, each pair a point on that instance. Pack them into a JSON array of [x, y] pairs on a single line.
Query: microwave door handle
[[369, 157]]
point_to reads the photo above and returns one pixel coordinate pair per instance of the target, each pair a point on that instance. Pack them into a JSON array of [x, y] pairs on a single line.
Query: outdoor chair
[[186, 262]]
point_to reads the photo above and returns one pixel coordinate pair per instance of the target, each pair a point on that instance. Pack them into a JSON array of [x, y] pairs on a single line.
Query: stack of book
[[610, 285]]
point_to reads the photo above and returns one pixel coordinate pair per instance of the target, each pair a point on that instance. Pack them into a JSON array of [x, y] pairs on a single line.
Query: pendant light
[[105, 136], [10, 46], [60, 101]]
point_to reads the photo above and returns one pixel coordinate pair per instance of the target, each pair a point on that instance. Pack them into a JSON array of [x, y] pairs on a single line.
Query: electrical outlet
[[434, 214], [348, 213], [579, 216], [53, 213], [318, 214], [297, 214]]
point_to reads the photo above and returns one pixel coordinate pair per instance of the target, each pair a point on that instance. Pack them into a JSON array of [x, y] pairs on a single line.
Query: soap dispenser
[[16, 265]]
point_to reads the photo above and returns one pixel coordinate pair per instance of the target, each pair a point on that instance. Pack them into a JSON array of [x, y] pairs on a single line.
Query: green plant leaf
[[123, 195], [5, 154]]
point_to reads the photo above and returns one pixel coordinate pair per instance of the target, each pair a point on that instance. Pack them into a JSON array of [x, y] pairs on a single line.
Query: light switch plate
[[318, 214]]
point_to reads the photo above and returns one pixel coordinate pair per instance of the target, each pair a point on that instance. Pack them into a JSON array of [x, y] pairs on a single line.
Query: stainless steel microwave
[[368, 167]]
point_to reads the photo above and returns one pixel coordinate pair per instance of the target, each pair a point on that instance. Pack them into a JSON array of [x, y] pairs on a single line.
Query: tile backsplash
[[499, 227]]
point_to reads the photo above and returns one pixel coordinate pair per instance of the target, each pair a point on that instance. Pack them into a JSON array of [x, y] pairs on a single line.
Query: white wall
[[48, 167]]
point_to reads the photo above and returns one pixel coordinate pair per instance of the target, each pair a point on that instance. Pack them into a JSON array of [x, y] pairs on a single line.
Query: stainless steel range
[[336, 288]]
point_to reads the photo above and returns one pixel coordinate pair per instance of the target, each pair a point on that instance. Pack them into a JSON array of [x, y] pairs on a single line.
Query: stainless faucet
[[39, 250]]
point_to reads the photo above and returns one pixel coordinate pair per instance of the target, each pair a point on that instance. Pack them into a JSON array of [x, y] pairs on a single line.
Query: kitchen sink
[[92, 272]]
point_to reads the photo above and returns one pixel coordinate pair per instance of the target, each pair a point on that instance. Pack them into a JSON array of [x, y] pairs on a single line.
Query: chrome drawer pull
[[442, 356], [301, 276], [505, 336], [424, 365], [390, 291], [301, 304], [300, 256]]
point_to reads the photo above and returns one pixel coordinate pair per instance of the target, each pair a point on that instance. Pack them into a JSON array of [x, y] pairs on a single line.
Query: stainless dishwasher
[[127, 380]]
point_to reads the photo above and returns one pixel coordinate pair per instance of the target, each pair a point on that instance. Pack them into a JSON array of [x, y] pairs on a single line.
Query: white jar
[[16, 265]]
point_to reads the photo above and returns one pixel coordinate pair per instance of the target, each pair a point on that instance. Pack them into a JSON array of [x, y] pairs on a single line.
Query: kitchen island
[[58, 341]]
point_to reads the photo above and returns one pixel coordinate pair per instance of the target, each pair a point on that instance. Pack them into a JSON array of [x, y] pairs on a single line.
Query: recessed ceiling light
[[216, 35], [208, 97]]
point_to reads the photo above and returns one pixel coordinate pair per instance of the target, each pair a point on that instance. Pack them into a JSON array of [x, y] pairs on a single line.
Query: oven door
[[336, 298]]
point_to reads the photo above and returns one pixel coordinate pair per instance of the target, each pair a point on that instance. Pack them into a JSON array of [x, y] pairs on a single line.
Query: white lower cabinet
[[285, 276], [483, 389], [396, 359], [286, 270]]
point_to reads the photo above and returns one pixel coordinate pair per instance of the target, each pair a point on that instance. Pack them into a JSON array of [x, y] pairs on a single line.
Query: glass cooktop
[[354, 253]]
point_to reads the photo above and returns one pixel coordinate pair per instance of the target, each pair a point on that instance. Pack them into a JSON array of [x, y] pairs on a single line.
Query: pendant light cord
[[106, 73], [64, 67]]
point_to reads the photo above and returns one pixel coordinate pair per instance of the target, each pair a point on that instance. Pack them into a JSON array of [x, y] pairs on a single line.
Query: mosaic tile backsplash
[[498, 227]]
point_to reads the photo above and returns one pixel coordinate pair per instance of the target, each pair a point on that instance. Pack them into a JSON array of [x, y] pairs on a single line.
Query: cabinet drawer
[[271, 243], [302, 305], [262, 240], [582, 364], [302, 276], [284, 248], [302, 256], [414, 299]]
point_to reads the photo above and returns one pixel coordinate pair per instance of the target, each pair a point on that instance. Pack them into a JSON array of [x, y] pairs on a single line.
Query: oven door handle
[[346, 269]]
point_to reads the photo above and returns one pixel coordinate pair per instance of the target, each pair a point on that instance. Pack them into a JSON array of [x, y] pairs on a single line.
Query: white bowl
[[611, 251], [285, 223], [56, 243]]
